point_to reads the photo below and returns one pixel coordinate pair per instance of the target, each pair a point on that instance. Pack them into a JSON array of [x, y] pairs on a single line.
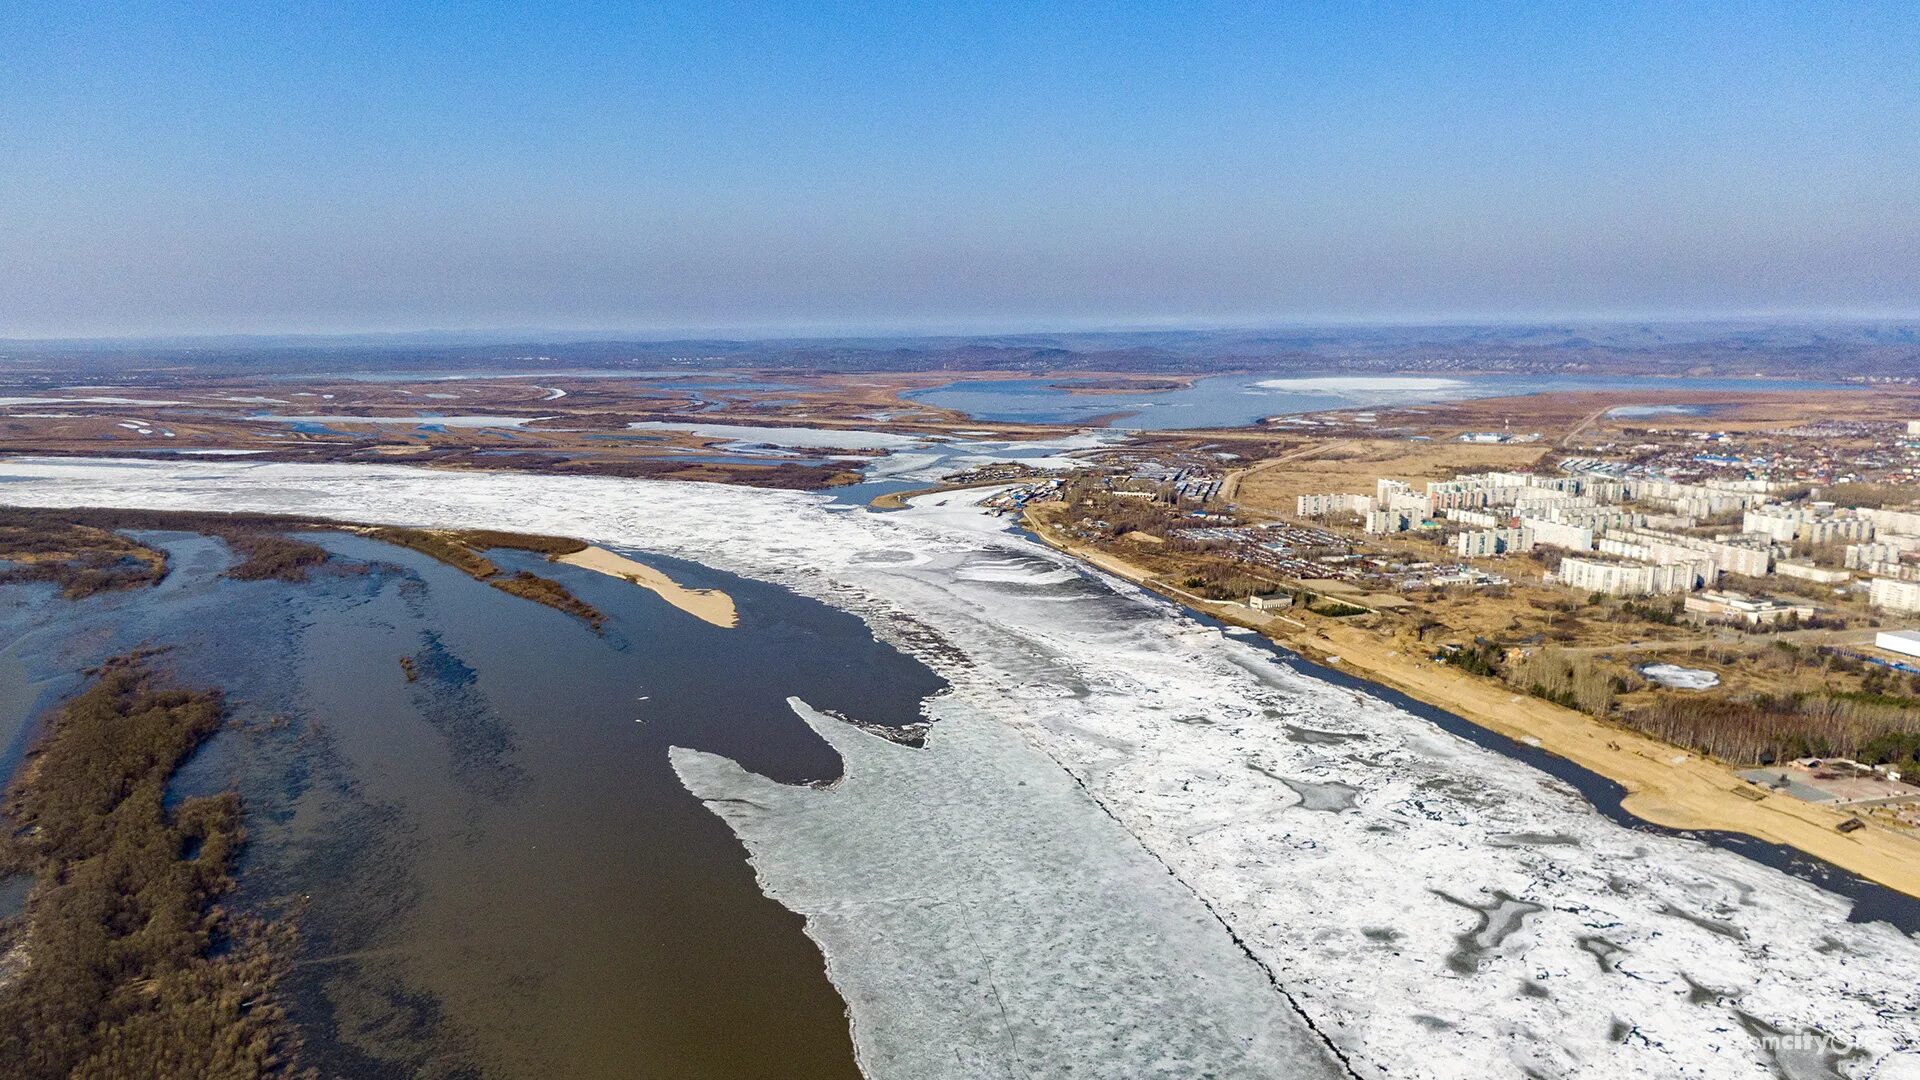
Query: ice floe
[[84, 400]]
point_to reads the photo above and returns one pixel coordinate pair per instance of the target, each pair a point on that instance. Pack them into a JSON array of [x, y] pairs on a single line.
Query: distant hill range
[[1827, 350]]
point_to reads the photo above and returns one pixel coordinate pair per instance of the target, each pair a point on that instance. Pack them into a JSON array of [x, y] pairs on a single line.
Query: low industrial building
[[1834, 781], [1904, 642], [1730, 606], [1806, 571]]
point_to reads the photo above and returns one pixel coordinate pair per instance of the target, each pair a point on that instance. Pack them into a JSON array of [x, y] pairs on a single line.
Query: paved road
[[1567, 439], [1230, 487]]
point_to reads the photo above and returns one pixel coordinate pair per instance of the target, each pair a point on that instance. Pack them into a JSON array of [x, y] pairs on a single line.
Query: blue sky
[[241, 168]]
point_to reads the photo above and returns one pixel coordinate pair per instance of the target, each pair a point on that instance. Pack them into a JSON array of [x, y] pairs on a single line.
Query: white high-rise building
[[1471, 545], [1629, 578], [1561, 534], [1341, 503], [1892, 595]]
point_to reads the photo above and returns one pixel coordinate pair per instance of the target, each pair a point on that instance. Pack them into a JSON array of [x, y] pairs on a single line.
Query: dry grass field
[[1354, 465]]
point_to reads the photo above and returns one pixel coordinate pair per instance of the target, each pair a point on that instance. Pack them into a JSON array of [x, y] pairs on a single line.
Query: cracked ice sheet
[[982, 922], [1186, 738]]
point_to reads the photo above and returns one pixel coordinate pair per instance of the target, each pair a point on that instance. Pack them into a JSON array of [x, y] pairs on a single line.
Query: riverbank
[[707, 605], [1666, 785], [897, 500]]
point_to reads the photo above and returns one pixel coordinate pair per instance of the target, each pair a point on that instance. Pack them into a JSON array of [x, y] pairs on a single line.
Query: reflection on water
[[496, 872]]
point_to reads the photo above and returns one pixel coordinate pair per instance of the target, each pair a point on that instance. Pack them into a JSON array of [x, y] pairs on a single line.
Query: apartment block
[[1820, 523], [1835, 530], [1891, 595], [1390, 521], [1561, 534], [1324, 505], [1883, 550], [1470, 545], [1479, 519], [1751, 557], [1777, 523], [1631, 578], [1894, 521]]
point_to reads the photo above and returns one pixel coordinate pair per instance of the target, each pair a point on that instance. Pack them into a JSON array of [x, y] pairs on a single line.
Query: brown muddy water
[[493, 869]]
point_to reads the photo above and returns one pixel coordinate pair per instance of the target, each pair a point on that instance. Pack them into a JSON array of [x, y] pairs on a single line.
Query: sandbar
[[707, 605]]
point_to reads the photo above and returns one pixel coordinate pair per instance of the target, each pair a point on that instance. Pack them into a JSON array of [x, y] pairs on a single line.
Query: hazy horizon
[[697, 169], [536, 335]]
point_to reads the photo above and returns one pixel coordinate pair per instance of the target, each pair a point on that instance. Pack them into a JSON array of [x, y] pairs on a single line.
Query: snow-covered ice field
[[1136, 847]]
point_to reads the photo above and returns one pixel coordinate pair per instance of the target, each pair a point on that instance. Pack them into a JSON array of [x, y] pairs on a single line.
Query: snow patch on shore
[[1679, 678]]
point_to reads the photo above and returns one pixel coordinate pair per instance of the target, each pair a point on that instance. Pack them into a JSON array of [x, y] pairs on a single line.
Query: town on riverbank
[[1719, 619]]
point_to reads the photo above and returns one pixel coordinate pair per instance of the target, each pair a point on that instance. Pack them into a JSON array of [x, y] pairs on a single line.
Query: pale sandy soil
[[708, 605], [1667, 786]]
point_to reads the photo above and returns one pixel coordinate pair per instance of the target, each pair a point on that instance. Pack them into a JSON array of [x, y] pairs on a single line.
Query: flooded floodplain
[[493, 869], [1240, 400]]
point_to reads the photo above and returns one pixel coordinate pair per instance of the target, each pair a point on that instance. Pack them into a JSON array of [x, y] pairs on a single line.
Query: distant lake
[[503, 876], [1241, 400], [1650, 412]]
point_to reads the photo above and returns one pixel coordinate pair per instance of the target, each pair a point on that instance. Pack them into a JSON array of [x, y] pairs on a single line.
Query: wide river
[[497, 869], [1238, 400], [1131, 846]]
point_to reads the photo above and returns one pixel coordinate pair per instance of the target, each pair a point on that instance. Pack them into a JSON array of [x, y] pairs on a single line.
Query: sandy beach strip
[[1666, 785], [707, 605]]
